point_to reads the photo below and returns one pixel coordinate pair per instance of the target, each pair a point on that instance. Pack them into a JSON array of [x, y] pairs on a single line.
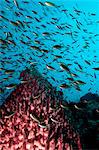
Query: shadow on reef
[[85, 118]]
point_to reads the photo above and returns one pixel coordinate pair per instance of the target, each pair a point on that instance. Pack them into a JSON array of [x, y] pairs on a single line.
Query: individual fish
[[8, 34], [33, 63], [71, 15], [23, 42], [64, 106], [35, 97], [9, 71], [37, 41], [14, 23], [35, 47], [74, 41], [42, 125], [34, 118], [7, 1], [54, 18], [77, 88], [86, 46], [44, 50], [39, 94], [58, 56], [78, 26], [4, 18], [97, 110], [21, 14], [4, 79], [28, 37], [38, 20], [53, 120], [10, 86], [88, 62], [17, 14], [80, 70], [57, 46], [85, 30], [96, 68], [59, 27], [43, 26], [9, 115], [11, 42], [67, 27], [41, 3], [89, 89], [46, 34], [49, 4], [70, 79], [27, 22], [29, 17], [96, 35], [76, 107], [94, 75], [93, 14], [52, 78], [26, 2], [77, 11], [3, 42], [64, 86], [78, 65], [79, 82], [64, 67], [34, 12], [20, 23], [50, 67], [16, 3], [24, 81]]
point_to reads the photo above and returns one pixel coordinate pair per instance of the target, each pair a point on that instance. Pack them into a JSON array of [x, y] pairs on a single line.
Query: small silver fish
[[64, 106], [43, 125], [53, 120], [49, 4], [8, 116], [10, 86], [64, 86], [32, 63], [9, 71], [77, 107], [35, 97], [79, 82], [16, 3], [24, 81], [34, 118], [50, 67]]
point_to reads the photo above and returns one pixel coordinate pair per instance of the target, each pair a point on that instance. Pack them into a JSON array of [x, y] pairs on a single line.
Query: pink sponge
[[33, 119]]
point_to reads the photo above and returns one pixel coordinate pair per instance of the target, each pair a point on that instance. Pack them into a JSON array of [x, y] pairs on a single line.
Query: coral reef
[[34, 117]]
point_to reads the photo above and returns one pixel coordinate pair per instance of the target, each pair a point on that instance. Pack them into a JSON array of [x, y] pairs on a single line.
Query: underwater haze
[[59, 37]]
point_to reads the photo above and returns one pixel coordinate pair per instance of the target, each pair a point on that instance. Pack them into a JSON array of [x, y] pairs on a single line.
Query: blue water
[[76, 32]]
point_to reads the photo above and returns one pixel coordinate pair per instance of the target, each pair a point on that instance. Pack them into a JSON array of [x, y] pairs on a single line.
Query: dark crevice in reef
[[83, 116], [85, 119]]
